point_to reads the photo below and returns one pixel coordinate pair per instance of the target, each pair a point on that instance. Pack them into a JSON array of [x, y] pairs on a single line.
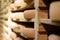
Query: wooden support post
[[36, 26]]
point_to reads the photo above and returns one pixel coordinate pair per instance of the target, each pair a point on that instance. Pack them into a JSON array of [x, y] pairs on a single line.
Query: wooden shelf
[[50, 22], [23, 10], [23, 21]]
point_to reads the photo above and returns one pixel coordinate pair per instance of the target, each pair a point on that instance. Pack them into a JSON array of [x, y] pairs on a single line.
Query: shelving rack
[[36, 22]]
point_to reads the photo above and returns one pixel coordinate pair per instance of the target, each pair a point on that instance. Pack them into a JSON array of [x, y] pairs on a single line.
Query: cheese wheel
[[13, 35], [29, 14], [18, 29], [18, 38]]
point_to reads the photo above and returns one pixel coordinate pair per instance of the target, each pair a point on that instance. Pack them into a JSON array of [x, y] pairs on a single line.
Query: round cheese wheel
[[18, 38], [18, 29], [13, 35]]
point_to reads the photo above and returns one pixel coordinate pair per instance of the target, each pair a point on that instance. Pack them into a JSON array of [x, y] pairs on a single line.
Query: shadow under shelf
[[27, 24]]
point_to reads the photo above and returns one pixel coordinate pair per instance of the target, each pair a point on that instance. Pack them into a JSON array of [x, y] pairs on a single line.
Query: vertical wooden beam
[[36, 26]]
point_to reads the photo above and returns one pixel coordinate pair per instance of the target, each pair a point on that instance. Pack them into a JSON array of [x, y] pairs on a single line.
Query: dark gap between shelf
[[44, 8], [27, 24]]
